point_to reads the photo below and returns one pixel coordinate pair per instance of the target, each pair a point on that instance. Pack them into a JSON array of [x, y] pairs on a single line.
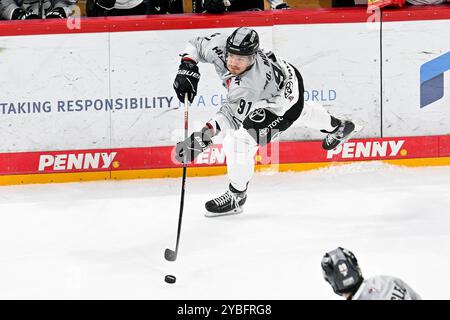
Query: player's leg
[[240, 149], [260, 127], [338, 131], [315, 116]]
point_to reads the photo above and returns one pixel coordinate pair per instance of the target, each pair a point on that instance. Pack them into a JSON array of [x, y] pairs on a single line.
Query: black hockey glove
[[56, 13], [21, 14], [190, 148], [105, 4], [214, 6], [186, 80]]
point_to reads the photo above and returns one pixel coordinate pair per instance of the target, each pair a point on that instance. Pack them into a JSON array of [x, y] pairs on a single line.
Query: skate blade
[[209, 214]]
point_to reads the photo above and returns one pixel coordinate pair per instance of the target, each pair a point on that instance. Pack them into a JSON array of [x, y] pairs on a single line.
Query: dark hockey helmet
[[243, 41], [341, 270]]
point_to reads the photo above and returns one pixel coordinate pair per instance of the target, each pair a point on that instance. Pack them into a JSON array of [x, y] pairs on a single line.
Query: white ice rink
[[106, 240]]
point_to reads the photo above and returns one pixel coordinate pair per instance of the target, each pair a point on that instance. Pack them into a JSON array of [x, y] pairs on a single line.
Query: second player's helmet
[[243, 41], [341, 271]]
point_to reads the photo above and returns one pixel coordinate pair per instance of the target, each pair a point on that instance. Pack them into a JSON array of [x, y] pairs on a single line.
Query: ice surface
[[106, 240]]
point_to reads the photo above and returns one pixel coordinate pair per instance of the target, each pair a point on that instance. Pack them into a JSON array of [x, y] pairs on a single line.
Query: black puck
[[170, 279]]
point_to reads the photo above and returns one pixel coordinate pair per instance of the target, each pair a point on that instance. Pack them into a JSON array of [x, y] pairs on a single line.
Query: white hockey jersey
[[260, 86], [385, 288]]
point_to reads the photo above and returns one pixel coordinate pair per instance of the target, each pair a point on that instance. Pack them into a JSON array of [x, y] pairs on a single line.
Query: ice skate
[[229, 203], [341, 134]]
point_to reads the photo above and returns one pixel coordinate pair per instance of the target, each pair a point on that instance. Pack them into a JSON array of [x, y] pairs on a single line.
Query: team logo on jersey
[[343, 269], [288, 89], [259, 115]]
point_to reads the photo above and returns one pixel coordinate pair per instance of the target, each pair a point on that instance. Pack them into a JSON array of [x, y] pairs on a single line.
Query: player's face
[[238, 64]]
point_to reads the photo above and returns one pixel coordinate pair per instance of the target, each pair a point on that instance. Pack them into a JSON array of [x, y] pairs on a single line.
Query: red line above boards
[[201, 21]]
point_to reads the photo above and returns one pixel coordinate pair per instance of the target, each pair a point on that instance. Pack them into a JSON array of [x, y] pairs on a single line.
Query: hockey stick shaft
[[41, 9], [169, 254], [183, 183]]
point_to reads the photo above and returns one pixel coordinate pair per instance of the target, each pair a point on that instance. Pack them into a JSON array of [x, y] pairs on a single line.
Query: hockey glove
[[105, 4], [190, 148], [56, 13], [21, 14], [186, 81]]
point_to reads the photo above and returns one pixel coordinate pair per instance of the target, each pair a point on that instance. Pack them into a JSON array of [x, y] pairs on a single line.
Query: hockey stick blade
[[170, 255]]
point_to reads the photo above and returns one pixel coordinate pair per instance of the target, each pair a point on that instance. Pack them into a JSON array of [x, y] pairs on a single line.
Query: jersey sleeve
[[205, 49]]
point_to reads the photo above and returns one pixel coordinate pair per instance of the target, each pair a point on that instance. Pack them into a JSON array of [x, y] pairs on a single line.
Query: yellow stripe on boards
[[53, 177]]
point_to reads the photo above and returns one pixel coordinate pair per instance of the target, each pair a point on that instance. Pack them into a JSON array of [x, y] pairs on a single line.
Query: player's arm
[[200, 49], [204, 49], [230, 116]]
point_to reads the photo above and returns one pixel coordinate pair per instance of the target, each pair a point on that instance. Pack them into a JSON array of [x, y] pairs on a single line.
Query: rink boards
[[97, 102], [158, 162]]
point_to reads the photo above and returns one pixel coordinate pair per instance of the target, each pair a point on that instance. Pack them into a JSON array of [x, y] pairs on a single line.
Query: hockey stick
[[41, 9], [171, 255]]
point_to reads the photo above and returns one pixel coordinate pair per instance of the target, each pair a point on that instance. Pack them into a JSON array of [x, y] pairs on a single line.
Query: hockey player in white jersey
[[264, 98], [341, 270]]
